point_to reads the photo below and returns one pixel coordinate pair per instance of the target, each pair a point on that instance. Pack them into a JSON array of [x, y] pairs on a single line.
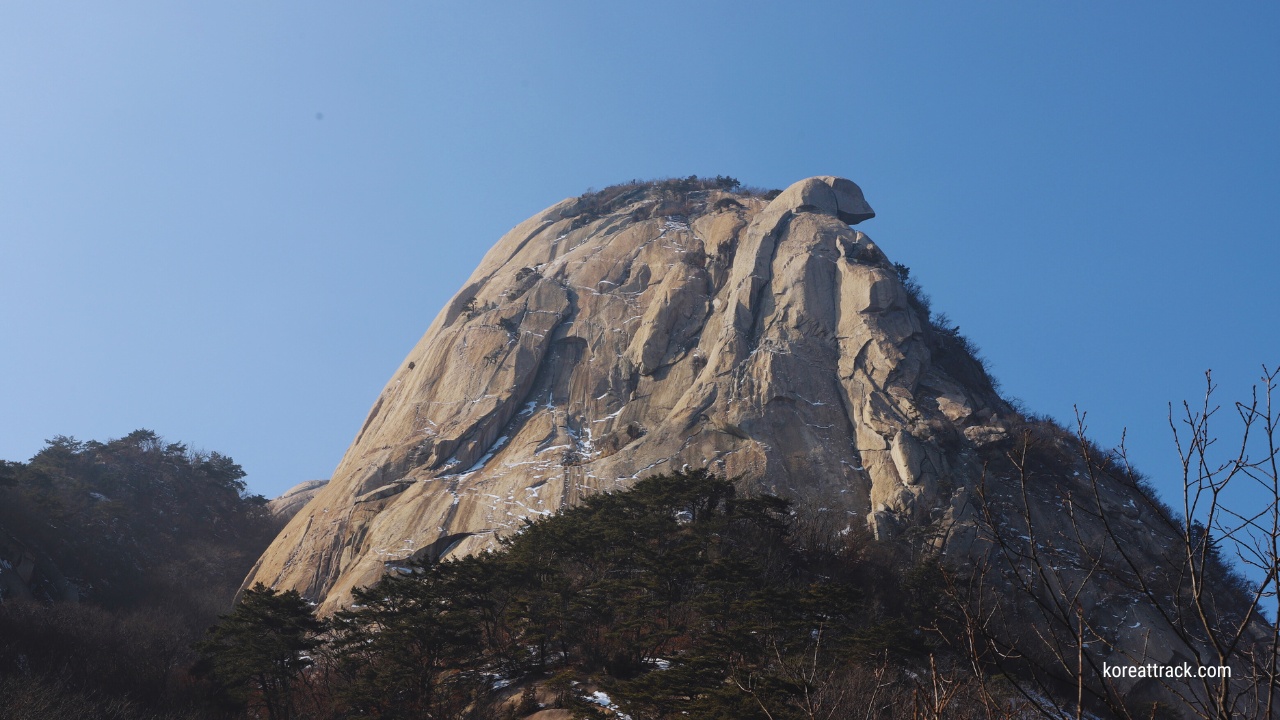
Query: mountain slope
[[653, 327], [638, 330]]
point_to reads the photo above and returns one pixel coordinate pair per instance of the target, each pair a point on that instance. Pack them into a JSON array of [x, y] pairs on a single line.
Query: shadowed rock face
[[597, 344]]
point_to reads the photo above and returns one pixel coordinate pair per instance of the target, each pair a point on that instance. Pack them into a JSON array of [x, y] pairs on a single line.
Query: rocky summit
[[651, 328], [642, 329]]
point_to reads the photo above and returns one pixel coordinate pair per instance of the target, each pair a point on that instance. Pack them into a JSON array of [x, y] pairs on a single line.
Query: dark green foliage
[[680, 570], [117, 556], [9, 472], [960, 357], [915, 294], [418, 646], [134, 518], [724, 182], [257, 653]]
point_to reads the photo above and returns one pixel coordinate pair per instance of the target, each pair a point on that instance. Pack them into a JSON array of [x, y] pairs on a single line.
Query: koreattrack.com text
[[1152, 670]]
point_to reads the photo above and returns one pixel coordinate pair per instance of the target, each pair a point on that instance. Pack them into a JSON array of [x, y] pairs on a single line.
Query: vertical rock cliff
[[639, 330]]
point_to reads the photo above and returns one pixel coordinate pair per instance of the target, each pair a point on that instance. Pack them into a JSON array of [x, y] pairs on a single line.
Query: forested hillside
[[679, 598], [114, 558]]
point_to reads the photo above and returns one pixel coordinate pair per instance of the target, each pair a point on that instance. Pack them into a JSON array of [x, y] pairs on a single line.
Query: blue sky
[[228, 222]]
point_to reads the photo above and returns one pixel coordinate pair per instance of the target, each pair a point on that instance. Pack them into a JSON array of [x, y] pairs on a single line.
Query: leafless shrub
[[1073, 559]]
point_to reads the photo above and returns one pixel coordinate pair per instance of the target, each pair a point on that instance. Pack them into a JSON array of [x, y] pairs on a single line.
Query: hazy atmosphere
[[229, 223]]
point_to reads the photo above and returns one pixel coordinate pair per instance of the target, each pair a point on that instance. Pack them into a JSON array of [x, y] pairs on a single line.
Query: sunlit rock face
[[295, 498], [636, 331]]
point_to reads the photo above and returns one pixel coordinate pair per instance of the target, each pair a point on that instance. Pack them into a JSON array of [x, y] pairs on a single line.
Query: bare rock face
[[636, 331], [650, 327], [295, 498]]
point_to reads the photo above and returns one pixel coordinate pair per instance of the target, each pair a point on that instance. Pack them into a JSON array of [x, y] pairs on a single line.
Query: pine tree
[[257, 653]]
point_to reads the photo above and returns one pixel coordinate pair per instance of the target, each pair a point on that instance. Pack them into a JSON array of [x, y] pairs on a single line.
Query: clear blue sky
[[229, 222]]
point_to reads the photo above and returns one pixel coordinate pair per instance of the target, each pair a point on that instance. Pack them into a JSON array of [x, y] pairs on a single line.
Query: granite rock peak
[[645, 328]]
